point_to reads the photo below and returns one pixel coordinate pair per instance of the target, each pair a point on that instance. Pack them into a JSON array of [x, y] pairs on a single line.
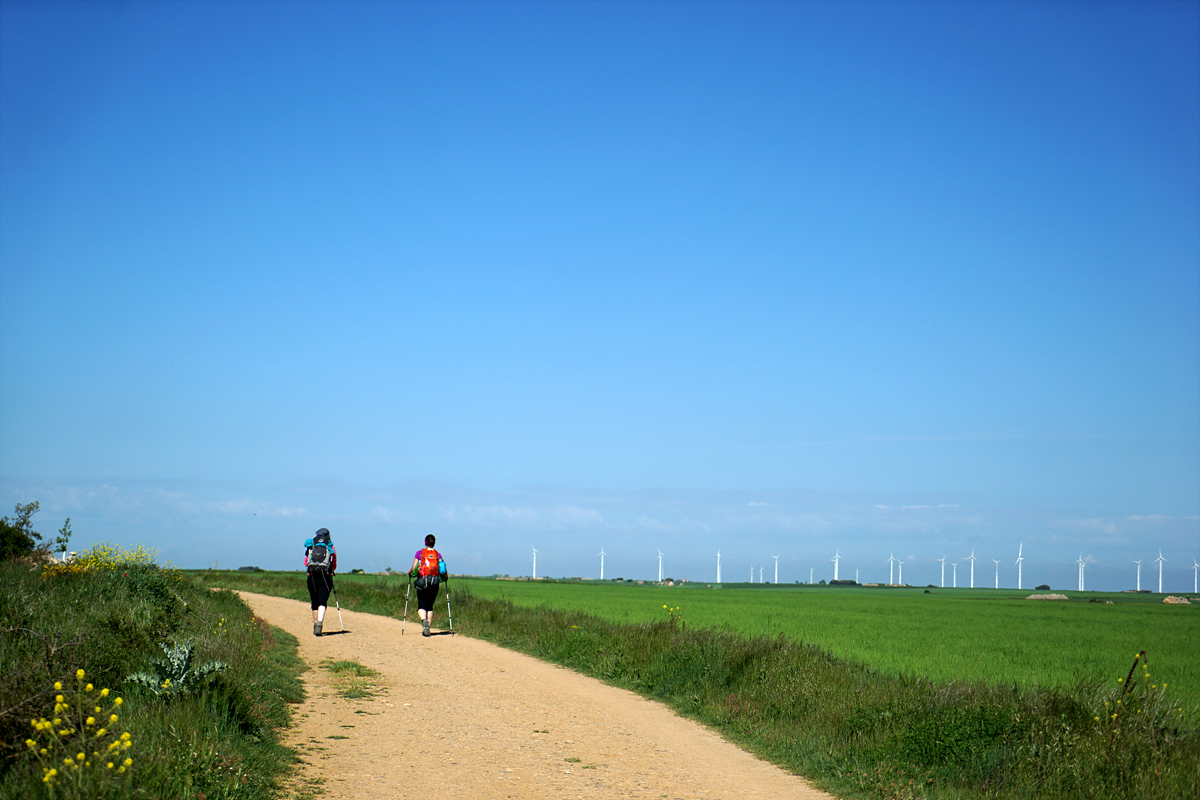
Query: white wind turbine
[[836, 558], [660, 555], [943, 560], [535, 563], [997, 572], [954, 574], [601, 563], [752, 574], [1139, 574], [1080, 562], [760, 580], [1020, 547], [900, 570], [776, 568], [810, 575], [891, 568], [1195, 573], [718, 566], [1160, 561], [971, 558], [856, 574]]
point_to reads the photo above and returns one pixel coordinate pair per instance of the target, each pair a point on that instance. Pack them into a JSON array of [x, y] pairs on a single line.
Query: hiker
[[429, 569], [320, 560]]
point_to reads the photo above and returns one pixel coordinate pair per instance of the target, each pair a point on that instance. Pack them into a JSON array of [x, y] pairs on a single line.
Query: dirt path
[[469, 720]]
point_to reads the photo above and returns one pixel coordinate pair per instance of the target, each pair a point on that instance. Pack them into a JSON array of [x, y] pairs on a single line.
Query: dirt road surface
[[460, 718]]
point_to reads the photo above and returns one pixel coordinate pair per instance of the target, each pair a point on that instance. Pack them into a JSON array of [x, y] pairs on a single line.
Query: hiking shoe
[[425, 632], [316, 629]]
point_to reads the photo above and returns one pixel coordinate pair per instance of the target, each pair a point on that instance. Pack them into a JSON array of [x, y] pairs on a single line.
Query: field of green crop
[[992, 636]]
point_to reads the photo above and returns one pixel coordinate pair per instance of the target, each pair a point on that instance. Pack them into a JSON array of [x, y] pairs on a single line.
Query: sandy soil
[[458, 717]]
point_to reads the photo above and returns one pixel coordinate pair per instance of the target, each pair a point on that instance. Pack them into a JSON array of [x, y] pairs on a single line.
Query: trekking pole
[[333, 586], [449, 613], [406, 593]]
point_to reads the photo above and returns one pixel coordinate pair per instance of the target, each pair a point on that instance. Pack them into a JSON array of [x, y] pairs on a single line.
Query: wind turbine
[[1080, 563], [1160, 561], [891, 567], [1020, 547], [660, 555], [971, 558], [856, 574], [997, 572], [1139, 578], [900, 569], [776, 568], [760, 580], [810, 574], [1195, 573], [836, 557], [752, 574], [601, 563], [943, 560], [954, 574], [535, 563], [718, 566]]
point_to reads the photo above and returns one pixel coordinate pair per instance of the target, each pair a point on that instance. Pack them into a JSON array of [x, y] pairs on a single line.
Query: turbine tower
[[718, 566], [971, 558], [1139, 577], [1160, 561], [752, 574], [535, 563], [660, 555], [900, 570], [1080, 563], [856, 574], [836, 558], [760, 580], [954, 574], [776, 568], [601, 563], [997, 572], [1020, 547], [943, 560], [891, 567], [810, 576], [1195, 573]]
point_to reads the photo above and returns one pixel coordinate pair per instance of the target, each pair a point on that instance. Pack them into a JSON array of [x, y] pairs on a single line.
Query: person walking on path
[[430, 570], [320, 560]]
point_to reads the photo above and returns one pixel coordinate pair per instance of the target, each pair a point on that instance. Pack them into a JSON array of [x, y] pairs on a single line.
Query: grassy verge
[[853, 731], [201, 726]]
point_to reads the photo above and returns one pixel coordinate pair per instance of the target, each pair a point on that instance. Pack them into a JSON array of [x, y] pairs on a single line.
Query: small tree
[[17, 536]]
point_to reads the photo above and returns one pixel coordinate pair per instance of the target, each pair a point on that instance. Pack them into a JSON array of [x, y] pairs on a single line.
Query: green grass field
[[991, 636], [857, 729]]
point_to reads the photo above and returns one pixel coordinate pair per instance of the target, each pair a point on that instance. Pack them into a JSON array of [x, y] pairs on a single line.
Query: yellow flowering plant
[[79, 745]]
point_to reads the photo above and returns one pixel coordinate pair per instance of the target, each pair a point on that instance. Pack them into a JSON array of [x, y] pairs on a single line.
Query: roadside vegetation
[[123, 679], [853, 730]]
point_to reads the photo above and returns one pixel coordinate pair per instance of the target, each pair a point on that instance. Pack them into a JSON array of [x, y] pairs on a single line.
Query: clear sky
[[787, 279]]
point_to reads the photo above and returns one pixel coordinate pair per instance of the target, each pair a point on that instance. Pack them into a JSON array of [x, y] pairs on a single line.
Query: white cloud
[[551, 517]]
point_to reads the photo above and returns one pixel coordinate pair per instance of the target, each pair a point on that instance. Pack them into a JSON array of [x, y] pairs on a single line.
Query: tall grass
[[69, 639], [851, 729]]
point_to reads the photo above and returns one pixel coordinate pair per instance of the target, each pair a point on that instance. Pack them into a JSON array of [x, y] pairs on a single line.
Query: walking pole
[[449, 613], [406, 593]]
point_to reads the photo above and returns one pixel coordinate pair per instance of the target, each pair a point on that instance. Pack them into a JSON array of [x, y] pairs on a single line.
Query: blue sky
[[787, 279]]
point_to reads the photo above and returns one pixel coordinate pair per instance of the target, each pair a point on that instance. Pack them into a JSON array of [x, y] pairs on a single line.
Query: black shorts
[[319, 586], [425, 598]]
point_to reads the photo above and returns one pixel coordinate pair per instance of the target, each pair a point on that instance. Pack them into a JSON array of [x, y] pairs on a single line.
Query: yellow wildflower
[[79, 674]]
